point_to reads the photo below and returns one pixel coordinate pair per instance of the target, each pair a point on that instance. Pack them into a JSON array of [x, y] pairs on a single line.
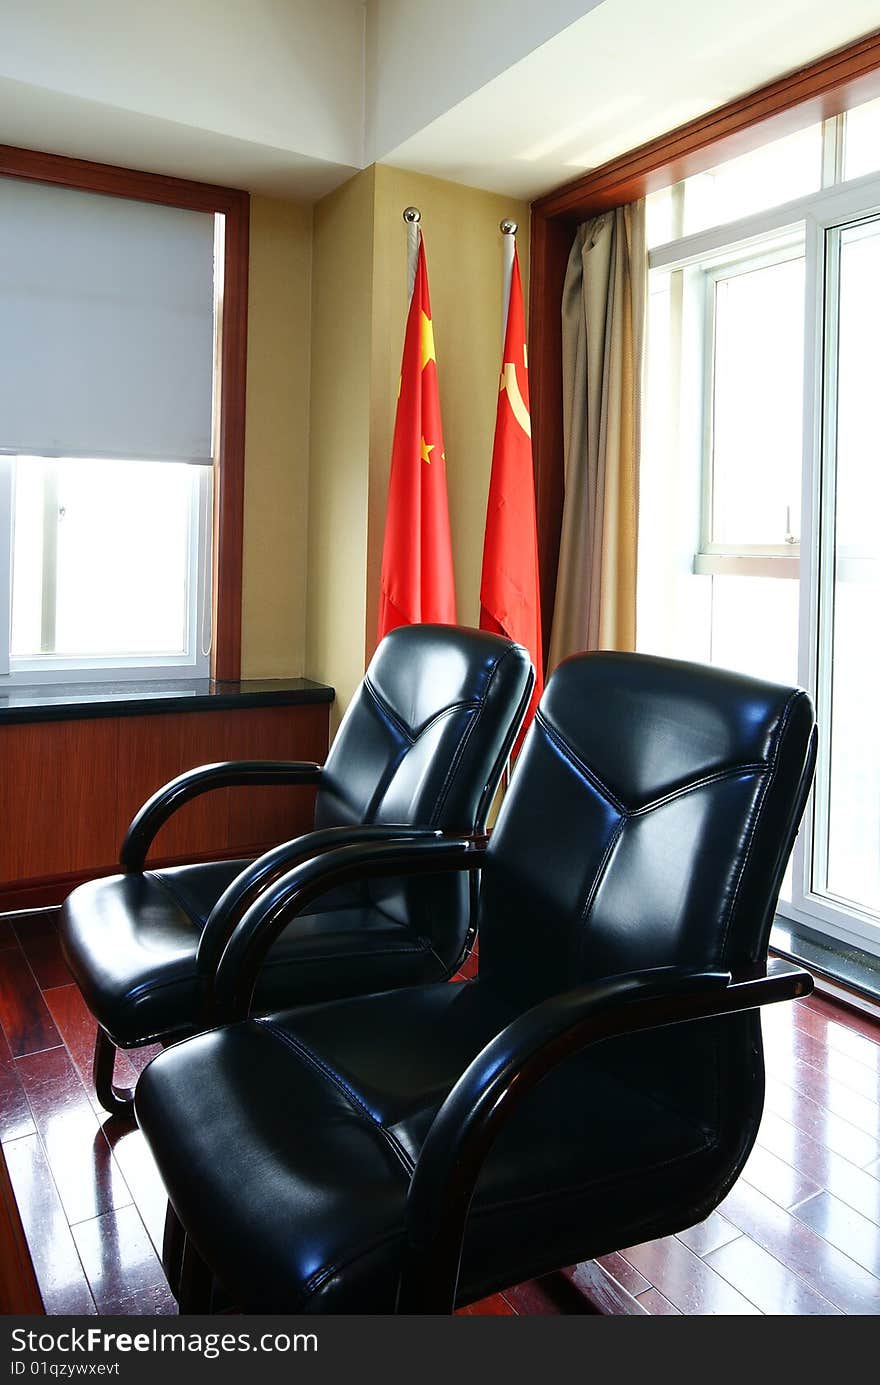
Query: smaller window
[[766, 177], [861, 140], [752, 463], [108, 565]]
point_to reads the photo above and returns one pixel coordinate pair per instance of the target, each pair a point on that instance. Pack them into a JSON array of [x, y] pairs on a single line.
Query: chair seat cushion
[[131, 942], [303, 1127]]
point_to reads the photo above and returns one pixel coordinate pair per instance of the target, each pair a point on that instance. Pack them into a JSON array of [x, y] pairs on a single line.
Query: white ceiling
[[289, 97], [628, 71], [265, 94]]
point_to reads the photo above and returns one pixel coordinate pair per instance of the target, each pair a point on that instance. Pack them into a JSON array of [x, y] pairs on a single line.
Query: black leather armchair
[[601, 1081], [420, 751]]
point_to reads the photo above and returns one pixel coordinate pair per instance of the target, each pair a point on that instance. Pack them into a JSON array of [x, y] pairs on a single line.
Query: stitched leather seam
[[388, 712], [718, 777], [577, 763], [177, 898], [463, 743], [544, 1196], [372, 952], [304, 1052], [448, 778], [715, 777], [320, 1277], [581, 933], [757, 811], [407, 731]]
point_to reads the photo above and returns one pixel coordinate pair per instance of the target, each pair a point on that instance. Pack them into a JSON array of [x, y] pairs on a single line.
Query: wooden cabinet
[[68, 790]]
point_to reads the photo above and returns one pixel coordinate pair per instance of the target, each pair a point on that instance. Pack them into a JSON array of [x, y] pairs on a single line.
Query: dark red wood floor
[[799, 1234]]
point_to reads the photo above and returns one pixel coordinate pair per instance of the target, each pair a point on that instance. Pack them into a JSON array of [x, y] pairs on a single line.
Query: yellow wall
[[276, 443], [463, 247], [327, 307], [340, 436]]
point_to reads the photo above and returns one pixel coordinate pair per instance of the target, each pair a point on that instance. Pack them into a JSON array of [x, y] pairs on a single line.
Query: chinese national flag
[[510, 601], [417, 579]]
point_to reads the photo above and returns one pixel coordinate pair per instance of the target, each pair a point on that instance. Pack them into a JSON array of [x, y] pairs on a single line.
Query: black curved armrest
[[499, 1078], [255, 878], [225, 774], [236, 976]]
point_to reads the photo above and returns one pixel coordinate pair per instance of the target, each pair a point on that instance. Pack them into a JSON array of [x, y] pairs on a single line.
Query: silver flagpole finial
[[507, 228], [412, 216]]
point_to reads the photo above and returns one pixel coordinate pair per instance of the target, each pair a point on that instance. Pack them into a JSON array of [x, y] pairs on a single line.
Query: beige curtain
[[603, 317]]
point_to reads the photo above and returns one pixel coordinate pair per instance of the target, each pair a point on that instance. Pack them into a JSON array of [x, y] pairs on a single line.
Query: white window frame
[[193, 662], [807, 219], [736, 559], [857, 200]]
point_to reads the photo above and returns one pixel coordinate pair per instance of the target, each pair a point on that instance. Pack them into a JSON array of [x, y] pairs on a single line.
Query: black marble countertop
[[136, 697]]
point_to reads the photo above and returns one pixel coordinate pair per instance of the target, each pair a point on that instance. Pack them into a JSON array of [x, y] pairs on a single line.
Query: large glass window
[[846, 857], [759, 547]]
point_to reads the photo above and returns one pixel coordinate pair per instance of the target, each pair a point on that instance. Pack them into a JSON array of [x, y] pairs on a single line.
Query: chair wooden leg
[[195, 1290], [173, 1243], [119, 1101]]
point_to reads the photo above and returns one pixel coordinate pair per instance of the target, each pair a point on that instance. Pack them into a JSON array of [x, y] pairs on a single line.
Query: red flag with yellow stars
[[510, 600], [417, 578]]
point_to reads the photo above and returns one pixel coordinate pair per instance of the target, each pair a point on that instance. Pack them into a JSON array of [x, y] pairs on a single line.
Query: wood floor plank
[[26, 1021], [776, 1179], [496, 1306], [827, 1270], [43, 954], [844, 1228], [546, 1297], [657, 1305], [839, 1037], [798, 1048], [132, 1154], [86, 1175], [604, 1292], [853, 1019], [78, 1028], [856, 1187], [621, 1270], [63, 1285], [121, 1266], [687, 1281], [15, 1114], [708, 1235], [826, 1091], [773, 1287], [835, 1133]]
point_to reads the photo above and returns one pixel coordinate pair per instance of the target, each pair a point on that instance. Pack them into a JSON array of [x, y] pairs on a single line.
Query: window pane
[[766, 177], [101, 558], [757, 405], [853, 845], [861, 145], [755, 626], [660, 218]]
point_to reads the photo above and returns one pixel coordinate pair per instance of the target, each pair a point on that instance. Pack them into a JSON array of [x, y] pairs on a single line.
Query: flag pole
[[508, 230], [412, 216]]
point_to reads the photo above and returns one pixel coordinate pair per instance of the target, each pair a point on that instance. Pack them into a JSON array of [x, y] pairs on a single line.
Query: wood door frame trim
[[821, 89], [234, 205]]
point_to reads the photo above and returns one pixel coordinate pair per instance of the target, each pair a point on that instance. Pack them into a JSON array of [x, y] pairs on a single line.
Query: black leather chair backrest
[[424, 741], [648, 824]]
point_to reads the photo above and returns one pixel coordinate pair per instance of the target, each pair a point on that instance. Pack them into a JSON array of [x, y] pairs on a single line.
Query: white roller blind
[[106, 326]]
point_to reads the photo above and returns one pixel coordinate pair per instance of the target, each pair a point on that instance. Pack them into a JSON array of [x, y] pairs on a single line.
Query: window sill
[[76, 701], [844, 966]]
